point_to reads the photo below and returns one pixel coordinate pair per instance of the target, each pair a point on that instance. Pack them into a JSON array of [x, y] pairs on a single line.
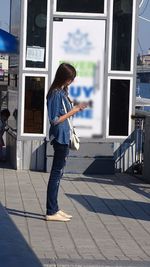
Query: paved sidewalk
[[110, 224]]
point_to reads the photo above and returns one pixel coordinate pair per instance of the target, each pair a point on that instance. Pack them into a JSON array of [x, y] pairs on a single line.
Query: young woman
[[59, 135]]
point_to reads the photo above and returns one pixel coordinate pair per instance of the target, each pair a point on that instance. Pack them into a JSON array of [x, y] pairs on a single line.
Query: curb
[[92, 263]]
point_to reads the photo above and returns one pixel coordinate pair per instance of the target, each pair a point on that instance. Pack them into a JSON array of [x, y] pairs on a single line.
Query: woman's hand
[[79, 107], [74, 110]]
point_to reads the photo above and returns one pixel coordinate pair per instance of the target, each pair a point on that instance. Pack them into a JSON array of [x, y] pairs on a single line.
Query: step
[[97, 165], [92, 158]]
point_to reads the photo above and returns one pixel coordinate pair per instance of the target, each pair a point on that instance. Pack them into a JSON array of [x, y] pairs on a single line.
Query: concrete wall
[[146, 171], [26, 154]]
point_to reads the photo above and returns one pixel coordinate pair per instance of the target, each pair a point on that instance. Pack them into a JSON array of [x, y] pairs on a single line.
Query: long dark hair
[[64, 73]]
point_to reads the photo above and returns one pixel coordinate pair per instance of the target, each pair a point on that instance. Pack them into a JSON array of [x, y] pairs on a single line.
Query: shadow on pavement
[[14, 250], [27, 214], [5, 164], [117, 207], [135, 184]]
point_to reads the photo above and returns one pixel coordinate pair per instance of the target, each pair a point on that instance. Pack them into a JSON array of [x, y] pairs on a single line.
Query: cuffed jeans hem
[[51, 213]]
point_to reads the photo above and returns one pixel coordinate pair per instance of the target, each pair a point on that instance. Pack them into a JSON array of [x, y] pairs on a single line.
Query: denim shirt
[[60, 131]]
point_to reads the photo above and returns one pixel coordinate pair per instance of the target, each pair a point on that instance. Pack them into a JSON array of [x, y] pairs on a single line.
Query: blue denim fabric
[[58, 131], [60, 153]]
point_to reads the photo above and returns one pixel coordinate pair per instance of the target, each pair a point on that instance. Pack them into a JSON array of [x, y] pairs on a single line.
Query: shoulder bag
[[74, 139]]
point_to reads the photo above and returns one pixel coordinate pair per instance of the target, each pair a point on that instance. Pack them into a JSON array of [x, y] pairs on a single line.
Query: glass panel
[[15, 22], [34, 104], [122, 30], [77, 41], [83, 6], [36, 33], [119, 107], [13, 77]]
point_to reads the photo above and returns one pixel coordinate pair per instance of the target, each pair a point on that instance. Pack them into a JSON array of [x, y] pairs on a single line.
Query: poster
[[35, 53], [82, 44]]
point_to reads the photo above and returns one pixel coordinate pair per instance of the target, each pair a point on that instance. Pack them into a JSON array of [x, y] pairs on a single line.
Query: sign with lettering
[[82, 44]]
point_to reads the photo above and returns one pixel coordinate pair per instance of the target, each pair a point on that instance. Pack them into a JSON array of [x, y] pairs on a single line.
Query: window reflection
[[36, 33], [119, 107], [34, 104], [122, 29], [84, 6]]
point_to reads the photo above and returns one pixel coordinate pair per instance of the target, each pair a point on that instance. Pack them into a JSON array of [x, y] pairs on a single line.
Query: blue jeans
[[59, 160]]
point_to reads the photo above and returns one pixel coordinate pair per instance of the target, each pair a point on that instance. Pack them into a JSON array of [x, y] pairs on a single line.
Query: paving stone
[[110, 224]]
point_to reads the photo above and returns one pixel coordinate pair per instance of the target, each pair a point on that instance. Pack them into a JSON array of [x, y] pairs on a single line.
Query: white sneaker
[[64, 214], [57, 217]]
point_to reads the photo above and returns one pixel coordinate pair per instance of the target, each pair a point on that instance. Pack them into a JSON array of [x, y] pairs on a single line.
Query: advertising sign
[[82, 44]]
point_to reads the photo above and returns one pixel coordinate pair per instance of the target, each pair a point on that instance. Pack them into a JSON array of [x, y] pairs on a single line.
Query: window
[[119, 107], [80, 6], [36, 33], [34, 105], [122, 31]]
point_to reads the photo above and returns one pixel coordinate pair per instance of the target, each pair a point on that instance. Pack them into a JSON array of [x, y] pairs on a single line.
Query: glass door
[[82, 43]]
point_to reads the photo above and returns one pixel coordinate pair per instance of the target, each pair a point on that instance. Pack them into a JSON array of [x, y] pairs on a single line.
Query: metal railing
[[141, 142]]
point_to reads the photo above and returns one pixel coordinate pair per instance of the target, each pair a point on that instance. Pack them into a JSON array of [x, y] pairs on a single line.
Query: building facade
[[145, 59], [4, 64], [99, 38]]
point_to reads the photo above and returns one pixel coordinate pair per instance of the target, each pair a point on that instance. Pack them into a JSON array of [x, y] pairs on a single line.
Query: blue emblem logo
[[77, 43]]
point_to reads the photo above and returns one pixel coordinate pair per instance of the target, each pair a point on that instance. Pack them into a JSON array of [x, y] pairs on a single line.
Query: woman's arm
[[73, 111]]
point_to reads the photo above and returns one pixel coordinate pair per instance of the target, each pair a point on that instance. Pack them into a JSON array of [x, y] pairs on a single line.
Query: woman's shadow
[[26, 214]]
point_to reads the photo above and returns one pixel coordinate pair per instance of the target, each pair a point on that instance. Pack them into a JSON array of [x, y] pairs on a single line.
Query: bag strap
[[70, 124]]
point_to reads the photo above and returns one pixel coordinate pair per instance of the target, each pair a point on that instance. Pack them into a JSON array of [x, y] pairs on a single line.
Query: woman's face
[[68, 83]]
